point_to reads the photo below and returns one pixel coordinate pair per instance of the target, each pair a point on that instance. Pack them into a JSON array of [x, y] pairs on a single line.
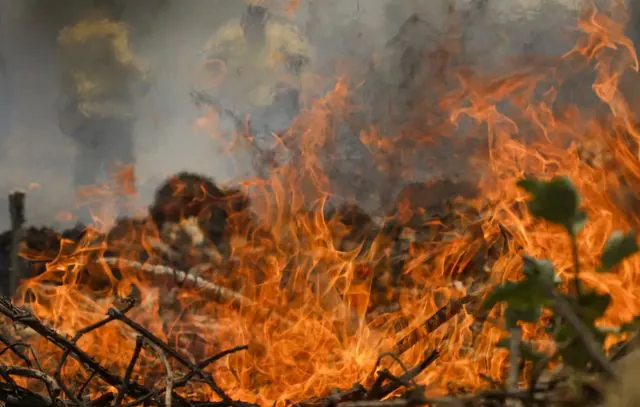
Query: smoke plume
[[170, 34]]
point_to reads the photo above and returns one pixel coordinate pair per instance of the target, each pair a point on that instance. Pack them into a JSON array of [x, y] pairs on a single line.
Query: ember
[[270, 293]]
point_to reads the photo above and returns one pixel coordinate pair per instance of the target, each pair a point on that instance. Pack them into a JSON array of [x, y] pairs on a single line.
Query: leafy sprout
[[558, 201]]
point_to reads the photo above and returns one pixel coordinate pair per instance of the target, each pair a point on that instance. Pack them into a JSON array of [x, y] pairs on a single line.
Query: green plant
[[579, 340]]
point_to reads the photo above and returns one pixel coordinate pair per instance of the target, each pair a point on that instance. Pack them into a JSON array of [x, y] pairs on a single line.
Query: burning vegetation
[[511, 281]]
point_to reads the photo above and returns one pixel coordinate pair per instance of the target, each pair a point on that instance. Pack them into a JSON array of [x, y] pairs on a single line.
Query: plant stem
[[563, 308], [514, 358], [576, 265]]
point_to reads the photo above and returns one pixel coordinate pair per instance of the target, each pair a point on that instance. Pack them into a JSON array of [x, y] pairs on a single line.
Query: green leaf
[[632, 326], [526, 298], [523, 303], [503, 293], [527, 351], [575, 353], [618, 247], [522, 294], [542, 271], [528, 313], [531, 185], [504, 343], [592, 305], [556, 201], [579, 222]]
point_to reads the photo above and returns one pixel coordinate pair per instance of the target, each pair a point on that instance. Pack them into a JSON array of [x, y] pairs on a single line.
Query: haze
[[35, 155]]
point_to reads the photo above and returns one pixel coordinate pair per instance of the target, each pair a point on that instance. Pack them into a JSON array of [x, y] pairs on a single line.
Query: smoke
[[35, 155], [488, 33], [166, 139], [171, 33]]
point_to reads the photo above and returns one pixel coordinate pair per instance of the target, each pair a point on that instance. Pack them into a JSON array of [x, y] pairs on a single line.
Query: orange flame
[[312, 316]]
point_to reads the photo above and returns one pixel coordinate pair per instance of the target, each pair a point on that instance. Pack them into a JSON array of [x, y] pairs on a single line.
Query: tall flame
[[312, 316]]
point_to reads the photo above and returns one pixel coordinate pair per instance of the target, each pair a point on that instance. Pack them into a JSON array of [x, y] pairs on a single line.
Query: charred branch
[[12, 394], [206, 377], [52, 386], [127, 374], [25, 317], [15, 348]]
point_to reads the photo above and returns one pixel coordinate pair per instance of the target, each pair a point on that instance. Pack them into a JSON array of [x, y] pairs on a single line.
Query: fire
[[291, 6], [312, 308]]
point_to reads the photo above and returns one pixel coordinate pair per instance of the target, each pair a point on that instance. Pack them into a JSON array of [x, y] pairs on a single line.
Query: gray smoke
[[490, 34], [171, 33], [34, 151]]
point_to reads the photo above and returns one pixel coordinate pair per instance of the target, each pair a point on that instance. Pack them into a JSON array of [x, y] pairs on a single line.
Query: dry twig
[[220, 294], [52, 386], [168, 374], [127, 374]]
